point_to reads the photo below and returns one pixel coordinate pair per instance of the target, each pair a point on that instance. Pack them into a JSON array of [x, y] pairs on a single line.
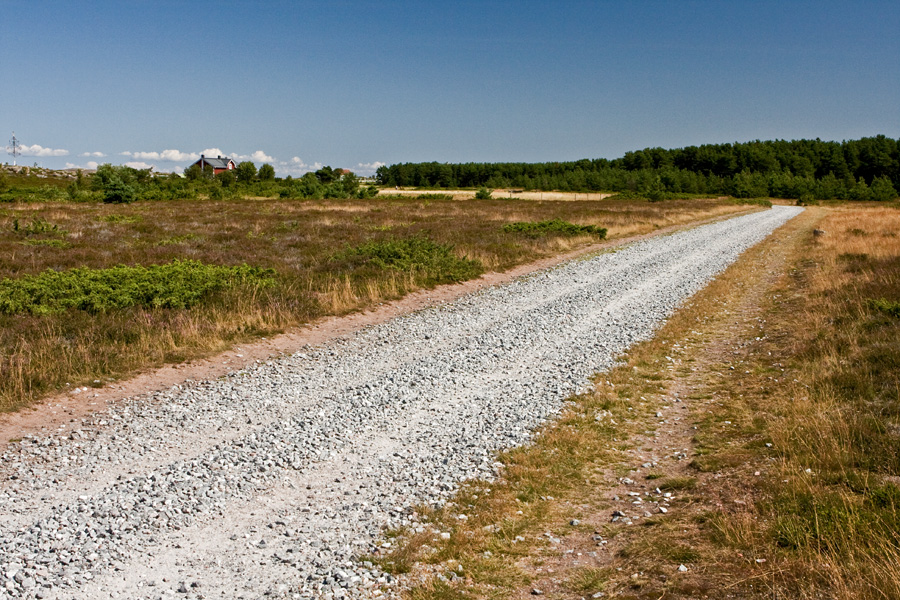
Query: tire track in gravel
[[382, 421]]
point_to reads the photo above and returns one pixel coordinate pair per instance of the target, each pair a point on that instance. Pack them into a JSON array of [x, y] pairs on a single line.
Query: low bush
[[483, 194], [886, 306], [553, 227], [436, 261], [38, 226], [180, 284]]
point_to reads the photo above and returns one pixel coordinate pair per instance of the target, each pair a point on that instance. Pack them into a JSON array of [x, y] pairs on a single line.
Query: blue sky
[[355, 84]]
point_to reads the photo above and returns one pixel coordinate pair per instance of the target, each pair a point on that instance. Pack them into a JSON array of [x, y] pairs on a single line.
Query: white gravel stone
[[274, 481]]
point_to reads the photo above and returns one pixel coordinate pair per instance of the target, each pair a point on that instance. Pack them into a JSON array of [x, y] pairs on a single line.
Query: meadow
[[289, 262]]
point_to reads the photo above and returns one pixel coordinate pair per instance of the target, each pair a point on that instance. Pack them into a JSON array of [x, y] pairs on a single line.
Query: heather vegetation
[[437, 262], [864, 169], [145, 283], [180, 284], [553, 226]]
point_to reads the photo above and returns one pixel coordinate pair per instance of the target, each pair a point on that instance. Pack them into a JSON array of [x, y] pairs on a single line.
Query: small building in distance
[[218, 164]]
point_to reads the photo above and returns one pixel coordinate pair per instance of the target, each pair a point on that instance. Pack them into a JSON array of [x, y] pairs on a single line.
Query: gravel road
[[268, 482]]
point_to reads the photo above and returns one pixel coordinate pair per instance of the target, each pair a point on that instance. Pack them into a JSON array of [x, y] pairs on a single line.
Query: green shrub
[[887, 306], [433, 196], [554, 227], [436, 261], [50, 243], [483, 194], [118, 192], [180, 284], [38, 226]]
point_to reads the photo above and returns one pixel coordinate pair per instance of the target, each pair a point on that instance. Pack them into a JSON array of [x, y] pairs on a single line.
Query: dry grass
[[794, 489], [301, 240]]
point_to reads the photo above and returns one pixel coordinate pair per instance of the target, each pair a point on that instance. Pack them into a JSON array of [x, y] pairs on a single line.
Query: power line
[[14, 148]]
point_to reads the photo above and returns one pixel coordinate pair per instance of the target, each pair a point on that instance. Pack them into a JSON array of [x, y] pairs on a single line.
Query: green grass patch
[[434, 197], [553, 227], [180, 284], [51, 243], [884, 305], [677, 483], [418, 255], [587, 580], [753, 201]]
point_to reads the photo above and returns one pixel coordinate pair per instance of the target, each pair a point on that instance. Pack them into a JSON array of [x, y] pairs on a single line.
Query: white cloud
[[138, 165], [91, 164], [261, 156], [92, 154], [167, 155], [37, 150], [258, 157], [296, 166], [212, 152], [368, 168], [178, 156]]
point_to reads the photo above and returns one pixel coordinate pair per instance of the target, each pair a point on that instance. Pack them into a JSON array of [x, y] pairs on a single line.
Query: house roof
[[220, 162]]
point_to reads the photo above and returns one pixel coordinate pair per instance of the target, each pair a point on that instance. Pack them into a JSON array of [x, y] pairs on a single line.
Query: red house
[[218, 164]]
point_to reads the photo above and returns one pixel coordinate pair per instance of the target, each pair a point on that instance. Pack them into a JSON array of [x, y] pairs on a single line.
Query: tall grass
[[843, 424]]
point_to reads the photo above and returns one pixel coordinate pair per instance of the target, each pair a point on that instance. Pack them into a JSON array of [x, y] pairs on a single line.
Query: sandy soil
[[501, 193]]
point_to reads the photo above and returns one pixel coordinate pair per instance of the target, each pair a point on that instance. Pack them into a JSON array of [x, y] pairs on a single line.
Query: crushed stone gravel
[[275, 480]]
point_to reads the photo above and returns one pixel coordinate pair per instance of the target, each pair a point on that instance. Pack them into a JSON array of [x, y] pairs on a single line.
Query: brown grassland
[[751, 449], [304, 241]]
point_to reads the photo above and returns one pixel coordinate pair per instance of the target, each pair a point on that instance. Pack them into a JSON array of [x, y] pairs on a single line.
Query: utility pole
[[13, 148]]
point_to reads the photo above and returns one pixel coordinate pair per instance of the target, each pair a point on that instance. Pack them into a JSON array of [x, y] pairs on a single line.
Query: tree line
[[863, 169], [122, 184]]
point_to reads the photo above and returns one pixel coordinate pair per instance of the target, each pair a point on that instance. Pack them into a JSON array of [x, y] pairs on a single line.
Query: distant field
[[500, 193], [329, 257]]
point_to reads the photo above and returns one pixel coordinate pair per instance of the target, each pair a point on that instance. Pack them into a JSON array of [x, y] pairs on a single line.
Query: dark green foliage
[[226, 178], [180, 284], [266, 172], [483, 194], [553, 227], [195, 173], [326, 175], [434, 197], [823, 520], [886, 306], [119, 193], [419, 255], [38, 226], [245, 171], [780, 168], [753, 201], [120, 184], [882, 190], [367, 192]]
